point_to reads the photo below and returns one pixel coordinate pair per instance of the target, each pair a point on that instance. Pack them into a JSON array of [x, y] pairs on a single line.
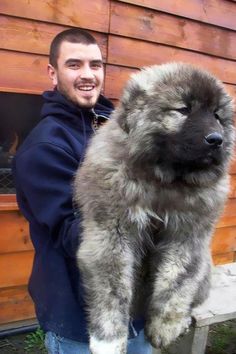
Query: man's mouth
[[85, 87]]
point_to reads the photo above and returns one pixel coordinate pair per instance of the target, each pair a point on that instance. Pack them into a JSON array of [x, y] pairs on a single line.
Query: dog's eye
[[183, 110], [216, 116]]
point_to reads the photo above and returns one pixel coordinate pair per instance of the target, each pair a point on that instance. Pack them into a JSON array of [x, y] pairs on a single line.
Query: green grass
[[35, 342], [222, 338]]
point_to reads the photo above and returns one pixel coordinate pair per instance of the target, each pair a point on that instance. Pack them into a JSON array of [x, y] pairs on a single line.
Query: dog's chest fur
[[161, 203]]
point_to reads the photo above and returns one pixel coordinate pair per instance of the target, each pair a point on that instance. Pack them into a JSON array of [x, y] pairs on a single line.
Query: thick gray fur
[[151, 190]]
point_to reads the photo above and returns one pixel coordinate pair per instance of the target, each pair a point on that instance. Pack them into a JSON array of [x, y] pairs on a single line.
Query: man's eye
[[96, 66], [73, 66]]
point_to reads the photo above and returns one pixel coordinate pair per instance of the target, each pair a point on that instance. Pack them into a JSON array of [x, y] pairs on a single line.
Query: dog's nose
[[214, 139]]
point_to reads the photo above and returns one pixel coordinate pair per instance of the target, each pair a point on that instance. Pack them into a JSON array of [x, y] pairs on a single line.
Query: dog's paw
[[116, 346], [161, 332]]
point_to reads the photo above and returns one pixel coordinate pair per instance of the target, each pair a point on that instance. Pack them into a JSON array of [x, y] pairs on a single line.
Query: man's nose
[[86, 72]]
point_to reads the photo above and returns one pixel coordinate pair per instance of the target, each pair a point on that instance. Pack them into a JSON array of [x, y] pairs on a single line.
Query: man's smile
[[85, 87]]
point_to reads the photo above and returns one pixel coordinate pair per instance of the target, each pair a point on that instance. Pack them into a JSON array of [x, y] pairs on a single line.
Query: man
[[44, 168]]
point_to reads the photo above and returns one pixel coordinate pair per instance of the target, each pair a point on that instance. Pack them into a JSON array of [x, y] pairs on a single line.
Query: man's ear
[[52, 73]]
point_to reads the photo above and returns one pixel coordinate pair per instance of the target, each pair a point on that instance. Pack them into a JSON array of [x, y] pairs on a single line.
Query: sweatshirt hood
[[60, 107]]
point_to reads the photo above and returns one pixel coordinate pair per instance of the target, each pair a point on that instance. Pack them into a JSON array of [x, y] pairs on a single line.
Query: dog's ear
[[131, 103]]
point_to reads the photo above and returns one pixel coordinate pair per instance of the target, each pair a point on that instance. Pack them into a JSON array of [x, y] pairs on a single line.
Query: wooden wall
[[131, 33]]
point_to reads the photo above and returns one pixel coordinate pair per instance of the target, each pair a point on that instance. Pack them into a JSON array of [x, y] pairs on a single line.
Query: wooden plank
[[149, 25], [31, 67], [226, 221], [232, 193], [8, 202], [14, 232], [69, 13], [231, 90], [116, 78], [123, 51], [224, 240], [15, 268], [15, 305], [233, 165], [223, 287], [33, 36], [224, 258], [26, 73], [228, 217], [230, 208], [193, 342], [218, 12], [19, 324]]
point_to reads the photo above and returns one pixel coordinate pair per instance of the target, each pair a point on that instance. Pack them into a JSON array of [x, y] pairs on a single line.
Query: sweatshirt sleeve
[[44, 175]]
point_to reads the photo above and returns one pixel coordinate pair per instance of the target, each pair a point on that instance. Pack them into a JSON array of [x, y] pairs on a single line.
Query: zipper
[[98, 120], [135, 333]]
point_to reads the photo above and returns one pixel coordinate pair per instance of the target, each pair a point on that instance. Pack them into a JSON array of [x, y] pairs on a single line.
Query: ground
[[221, 340]]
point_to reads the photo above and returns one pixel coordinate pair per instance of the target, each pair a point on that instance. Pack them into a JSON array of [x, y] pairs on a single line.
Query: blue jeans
[[58, 345]]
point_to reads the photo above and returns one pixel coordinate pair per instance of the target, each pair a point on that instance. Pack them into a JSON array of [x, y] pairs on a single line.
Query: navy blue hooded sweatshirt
[[43, 169]]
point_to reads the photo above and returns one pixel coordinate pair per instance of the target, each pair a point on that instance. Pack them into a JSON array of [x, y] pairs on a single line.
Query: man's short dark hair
[[73, 35]]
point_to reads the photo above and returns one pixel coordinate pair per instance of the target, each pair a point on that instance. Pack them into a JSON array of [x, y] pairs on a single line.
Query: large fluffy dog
[[151, 188]]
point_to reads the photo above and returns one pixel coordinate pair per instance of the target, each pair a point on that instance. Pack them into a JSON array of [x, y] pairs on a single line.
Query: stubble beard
[[78, 101]]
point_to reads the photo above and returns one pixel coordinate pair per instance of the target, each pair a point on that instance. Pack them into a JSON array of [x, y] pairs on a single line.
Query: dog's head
[[178, 118]]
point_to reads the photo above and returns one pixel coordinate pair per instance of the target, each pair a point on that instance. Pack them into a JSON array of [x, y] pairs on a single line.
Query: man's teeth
[[85, 88]]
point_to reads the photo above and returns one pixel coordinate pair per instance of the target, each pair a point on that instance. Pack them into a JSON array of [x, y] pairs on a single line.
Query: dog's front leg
[[180, 270], [106, 264]]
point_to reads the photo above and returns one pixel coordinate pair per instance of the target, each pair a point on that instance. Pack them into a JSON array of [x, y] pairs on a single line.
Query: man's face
[[79, 74]]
